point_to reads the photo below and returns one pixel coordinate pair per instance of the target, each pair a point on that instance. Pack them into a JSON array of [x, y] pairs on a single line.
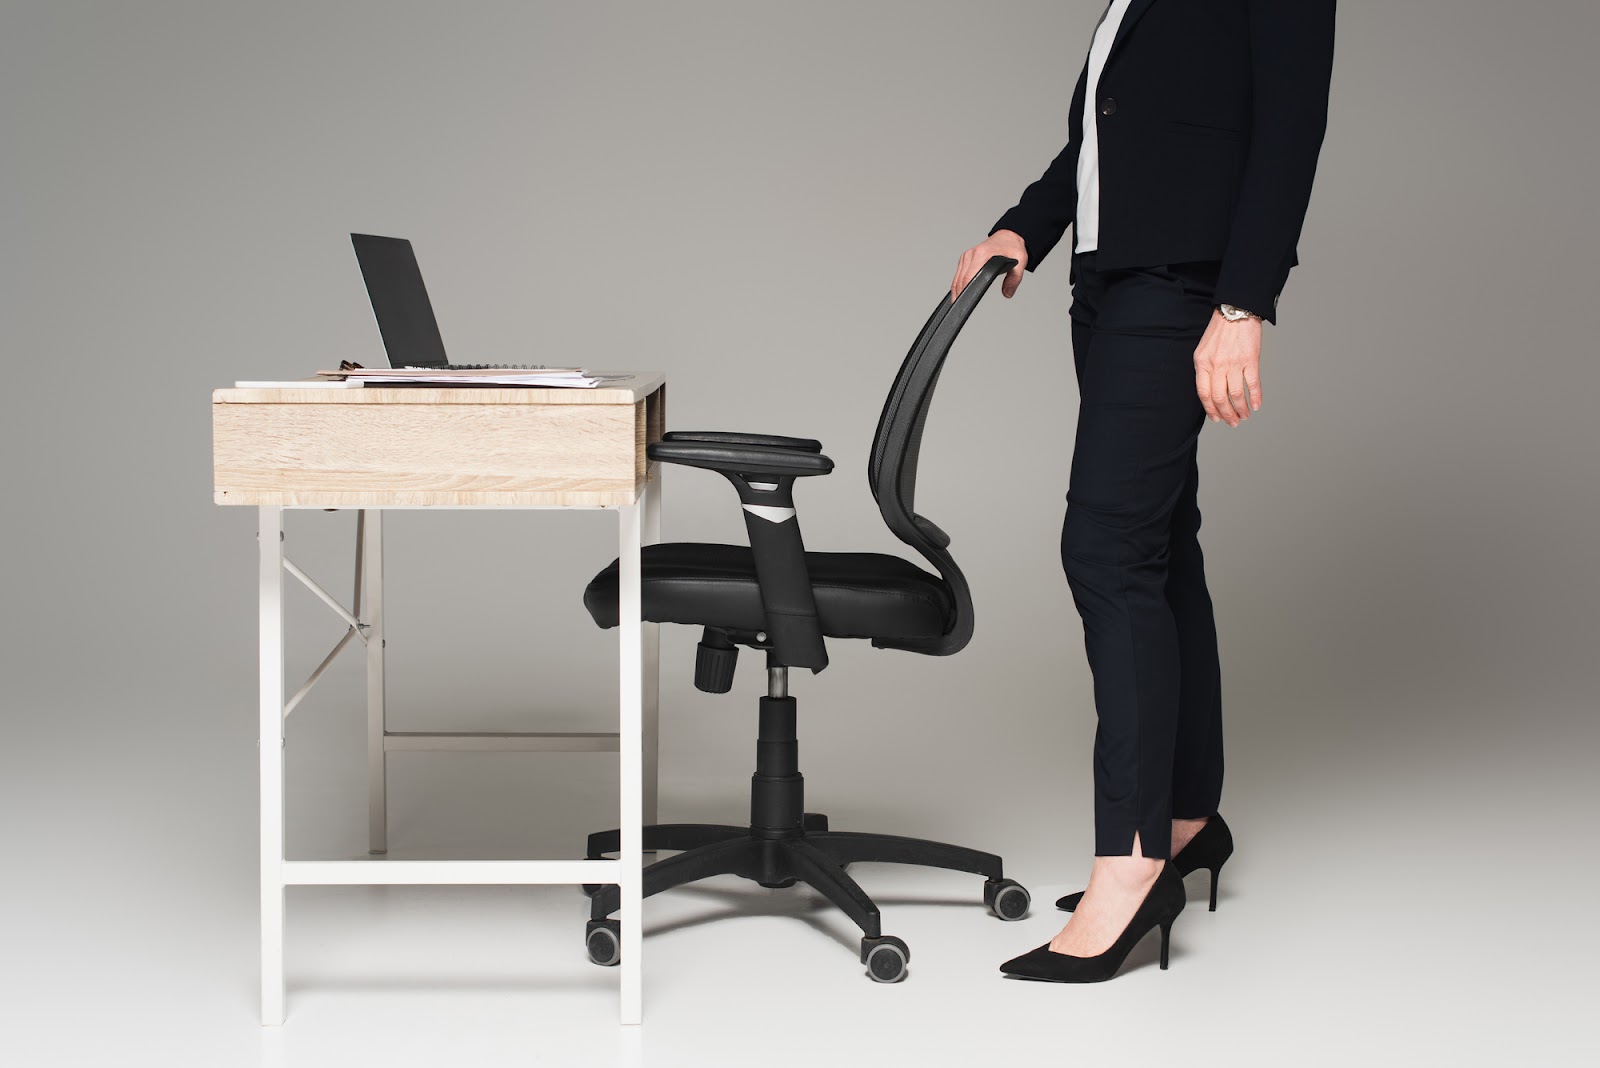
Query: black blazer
[[1210, 116]]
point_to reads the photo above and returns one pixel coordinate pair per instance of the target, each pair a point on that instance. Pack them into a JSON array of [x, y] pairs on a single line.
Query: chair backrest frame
[[897, 447]]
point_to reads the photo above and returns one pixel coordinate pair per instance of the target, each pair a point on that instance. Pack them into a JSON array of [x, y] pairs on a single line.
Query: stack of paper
[[299, 383], [561, 377]]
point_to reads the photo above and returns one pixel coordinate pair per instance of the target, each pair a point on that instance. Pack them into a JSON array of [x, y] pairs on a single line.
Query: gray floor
[[1396, 899]]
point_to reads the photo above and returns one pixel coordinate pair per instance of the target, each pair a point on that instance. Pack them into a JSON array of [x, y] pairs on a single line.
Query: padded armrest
[[740, 459], [720, 437], [764, 477]]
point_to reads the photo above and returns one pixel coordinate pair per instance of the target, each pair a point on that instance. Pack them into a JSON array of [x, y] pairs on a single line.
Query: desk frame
[[381, 741], [375, 449], [635, 741]]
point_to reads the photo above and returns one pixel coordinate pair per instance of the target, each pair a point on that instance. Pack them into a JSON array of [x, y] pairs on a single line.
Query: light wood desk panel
[[418, 447]]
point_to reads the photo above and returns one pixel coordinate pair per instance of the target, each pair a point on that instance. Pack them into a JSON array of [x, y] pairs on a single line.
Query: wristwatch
[[1233, 315]]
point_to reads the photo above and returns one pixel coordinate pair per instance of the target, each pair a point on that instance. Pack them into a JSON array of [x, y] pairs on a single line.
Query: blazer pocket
[[1204, 130]]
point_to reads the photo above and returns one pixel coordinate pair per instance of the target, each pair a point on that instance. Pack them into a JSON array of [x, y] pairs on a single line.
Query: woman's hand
[[1227, 368], [1000, 243]]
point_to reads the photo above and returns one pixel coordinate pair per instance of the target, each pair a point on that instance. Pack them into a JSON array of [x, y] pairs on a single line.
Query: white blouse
[[1087, 224]]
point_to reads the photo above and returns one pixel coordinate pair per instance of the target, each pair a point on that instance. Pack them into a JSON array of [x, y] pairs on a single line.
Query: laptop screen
[[400, 301]]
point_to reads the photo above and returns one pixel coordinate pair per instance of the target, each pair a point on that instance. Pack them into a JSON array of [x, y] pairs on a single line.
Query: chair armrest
[[741, 459], [720, 437], [764, 477]]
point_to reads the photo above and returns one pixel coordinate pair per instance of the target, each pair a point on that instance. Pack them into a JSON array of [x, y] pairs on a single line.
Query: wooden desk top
[[417, 447], [635, 388]]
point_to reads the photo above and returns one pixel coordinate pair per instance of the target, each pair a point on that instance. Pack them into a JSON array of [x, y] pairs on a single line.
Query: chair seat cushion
[[859, 595]]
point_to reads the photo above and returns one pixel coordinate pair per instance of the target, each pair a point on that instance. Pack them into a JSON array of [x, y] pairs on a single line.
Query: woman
[[1193, 137]]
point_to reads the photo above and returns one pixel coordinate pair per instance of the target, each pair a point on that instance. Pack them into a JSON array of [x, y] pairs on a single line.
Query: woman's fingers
[[963, 275], [1227, 393], [1238, 397], [1219, 397], [1202, 389], [1252, 382], [1013, 279], [1004, 243], [1227, 369]]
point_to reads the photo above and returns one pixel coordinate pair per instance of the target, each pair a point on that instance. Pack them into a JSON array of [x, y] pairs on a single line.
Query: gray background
[[764, 201]]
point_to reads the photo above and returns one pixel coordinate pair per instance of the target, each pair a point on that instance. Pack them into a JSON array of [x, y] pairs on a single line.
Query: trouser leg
[[1138, 425], [1197, 753]]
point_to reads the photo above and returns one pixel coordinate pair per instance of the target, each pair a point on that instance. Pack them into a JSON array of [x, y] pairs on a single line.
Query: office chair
[[777, 597]]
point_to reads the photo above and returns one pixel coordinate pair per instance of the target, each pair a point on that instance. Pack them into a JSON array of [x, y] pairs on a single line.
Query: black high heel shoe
[[1210, 848], [1159, 908]]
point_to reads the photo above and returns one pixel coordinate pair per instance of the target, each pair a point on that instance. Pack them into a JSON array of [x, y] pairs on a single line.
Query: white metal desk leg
[[377, 757], [269, 532], [651, 534], [630, 746]]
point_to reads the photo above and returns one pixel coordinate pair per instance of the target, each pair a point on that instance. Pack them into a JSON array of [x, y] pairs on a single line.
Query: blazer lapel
[[1135, 11]]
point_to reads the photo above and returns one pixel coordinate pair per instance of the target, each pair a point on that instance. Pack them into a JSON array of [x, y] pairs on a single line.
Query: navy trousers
[[1131, 551]]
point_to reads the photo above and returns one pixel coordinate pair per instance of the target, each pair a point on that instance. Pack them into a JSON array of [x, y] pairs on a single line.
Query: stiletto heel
[[1211, 846], [1216, 870], [1160, 908]]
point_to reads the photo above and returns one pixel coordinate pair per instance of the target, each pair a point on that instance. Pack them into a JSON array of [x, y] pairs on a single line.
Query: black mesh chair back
[[897, 444]]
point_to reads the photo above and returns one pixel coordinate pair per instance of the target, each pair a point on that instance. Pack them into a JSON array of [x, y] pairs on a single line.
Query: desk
[[375, 449]]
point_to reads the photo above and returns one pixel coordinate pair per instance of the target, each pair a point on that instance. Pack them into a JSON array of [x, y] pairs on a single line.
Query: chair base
[[817, 858], [784, 845], [682, 836]]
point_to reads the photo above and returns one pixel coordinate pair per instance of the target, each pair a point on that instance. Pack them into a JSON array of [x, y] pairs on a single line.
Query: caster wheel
[[886, 958], [1006, 898], [603, 938]]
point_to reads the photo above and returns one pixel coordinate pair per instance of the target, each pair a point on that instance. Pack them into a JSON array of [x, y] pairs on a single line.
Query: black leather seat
[[859, 595], [774, 596]]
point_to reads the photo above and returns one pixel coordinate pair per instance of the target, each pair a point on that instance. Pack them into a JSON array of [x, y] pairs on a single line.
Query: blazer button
[[1108, 106]]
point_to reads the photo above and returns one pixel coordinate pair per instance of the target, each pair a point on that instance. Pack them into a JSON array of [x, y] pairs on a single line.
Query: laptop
[[401, 305]]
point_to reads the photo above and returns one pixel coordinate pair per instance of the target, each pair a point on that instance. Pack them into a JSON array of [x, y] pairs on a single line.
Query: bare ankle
[[1184, 830], [1126, 871]]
